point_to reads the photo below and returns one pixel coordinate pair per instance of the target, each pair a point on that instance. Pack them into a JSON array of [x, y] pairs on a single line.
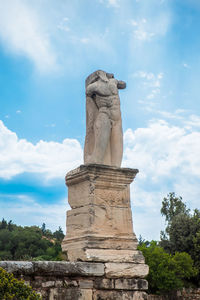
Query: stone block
[[140, 296], [119, 295], [87, 192], [86, 284], [126, 270], [86, 294], [65, 294], [68, 268], [131, 284], [70, 294], [80, 194], [112, 255], [99, 185], [119, 197], [104, 284], [17, 267], [93, 241], [95, 219]]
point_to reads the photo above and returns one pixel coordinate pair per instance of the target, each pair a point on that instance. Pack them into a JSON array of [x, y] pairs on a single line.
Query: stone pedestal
[[99, 225], [100, 232]]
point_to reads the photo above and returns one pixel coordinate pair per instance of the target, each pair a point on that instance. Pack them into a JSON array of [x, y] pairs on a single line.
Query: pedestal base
[[99, 225]]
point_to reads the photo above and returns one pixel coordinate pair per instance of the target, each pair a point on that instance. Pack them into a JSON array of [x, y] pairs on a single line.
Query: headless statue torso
[[104, 138]]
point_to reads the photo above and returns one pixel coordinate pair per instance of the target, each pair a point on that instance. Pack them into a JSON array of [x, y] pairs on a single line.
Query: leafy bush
[[13, 289], [166, 272]]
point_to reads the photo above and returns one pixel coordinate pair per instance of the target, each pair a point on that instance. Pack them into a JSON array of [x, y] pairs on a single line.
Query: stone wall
[[77, 281], [86, 281]]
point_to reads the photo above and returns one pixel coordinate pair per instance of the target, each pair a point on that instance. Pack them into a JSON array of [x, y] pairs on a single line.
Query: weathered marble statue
[[104, 139]]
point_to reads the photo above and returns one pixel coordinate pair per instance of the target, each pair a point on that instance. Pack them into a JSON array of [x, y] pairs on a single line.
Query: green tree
[[43, 228], [48, 234], [58, 234], [10, 225], [26, 243], [166, 272], [173, 206], [182, 233], [3, 224]]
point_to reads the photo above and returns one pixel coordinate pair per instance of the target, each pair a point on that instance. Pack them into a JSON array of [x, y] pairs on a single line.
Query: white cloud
[[140, 30], [150, 82], [167, 157], [147, 29], [176, 115], [34, 213], [150, 79], [147, 220], [164, 149], [51, 159], [22, 32], [193, 121], [185, 119]]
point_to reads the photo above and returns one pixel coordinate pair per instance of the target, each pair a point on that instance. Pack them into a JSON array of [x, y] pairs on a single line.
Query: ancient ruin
[[99, 224]]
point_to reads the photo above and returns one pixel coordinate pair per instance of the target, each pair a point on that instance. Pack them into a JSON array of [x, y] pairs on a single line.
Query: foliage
[[27, 243], [173, 206], [11, 288], [183, 229], [58, 234], [166, 272]]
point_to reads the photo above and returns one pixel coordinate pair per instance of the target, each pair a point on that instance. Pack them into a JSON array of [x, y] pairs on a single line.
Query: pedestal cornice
[[101, 172]]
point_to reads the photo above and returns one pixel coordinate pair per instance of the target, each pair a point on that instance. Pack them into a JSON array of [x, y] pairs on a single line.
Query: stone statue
[[104, 138]]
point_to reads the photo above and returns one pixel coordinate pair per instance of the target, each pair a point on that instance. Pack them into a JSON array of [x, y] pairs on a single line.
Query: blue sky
[[47, 49]]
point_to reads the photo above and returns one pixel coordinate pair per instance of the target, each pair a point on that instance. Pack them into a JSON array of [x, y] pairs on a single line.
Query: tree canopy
[[182, 232], [174, 262], [29, 243]]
